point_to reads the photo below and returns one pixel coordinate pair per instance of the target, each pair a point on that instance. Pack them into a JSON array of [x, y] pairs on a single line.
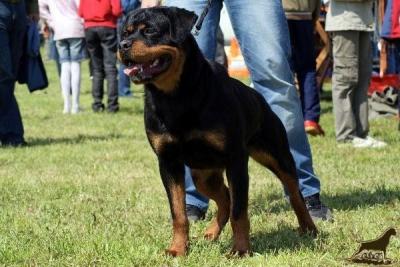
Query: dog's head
[[151, 45]]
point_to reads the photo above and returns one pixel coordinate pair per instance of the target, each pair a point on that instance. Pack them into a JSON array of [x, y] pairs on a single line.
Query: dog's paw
[[175, 252], [238, 253], [210, 236], [212, 233], [309, 230]]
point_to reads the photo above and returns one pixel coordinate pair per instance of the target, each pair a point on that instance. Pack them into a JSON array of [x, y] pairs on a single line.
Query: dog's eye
[[150, 31]]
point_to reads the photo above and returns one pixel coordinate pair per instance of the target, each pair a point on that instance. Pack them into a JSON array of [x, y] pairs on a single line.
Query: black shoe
[[317, 210], [98, 107], [113, 110], [194, 213]]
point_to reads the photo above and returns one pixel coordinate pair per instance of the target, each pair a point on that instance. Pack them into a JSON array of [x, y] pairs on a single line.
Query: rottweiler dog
[[198, 116]]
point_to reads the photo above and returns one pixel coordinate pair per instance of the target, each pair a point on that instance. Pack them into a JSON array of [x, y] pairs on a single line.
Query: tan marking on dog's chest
[[215, 138], [158, 141]]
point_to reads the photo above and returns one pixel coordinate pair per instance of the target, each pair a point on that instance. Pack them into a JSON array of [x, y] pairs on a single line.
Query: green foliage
[[86, 192]]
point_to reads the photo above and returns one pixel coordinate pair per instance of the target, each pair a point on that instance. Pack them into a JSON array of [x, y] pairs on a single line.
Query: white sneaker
[[367, 142], [376, 143]]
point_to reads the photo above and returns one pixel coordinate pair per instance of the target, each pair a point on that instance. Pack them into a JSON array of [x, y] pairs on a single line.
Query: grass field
[[86, 192]]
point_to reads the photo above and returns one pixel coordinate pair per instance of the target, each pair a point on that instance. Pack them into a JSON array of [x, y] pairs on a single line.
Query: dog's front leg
[[172, 175], [238, 179]]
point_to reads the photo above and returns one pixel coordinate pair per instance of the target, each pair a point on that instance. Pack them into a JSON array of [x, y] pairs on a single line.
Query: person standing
[[351, 25], [13, 23], [266, 51], [62, 17], [301, 16], [124, 89], [100, 22]]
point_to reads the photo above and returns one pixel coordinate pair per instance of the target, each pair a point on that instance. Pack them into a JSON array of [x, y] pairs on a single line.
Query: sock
[[66, 85], [75, 85]]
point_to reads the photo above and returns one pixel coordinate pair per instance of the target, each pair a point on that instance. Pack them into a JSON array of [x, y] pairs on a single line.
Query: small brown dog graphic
[[374, 251]]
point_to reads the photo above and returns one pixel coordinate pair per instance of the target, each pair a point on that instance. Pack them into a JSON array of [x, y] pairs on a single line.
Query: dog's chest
[[197, 148]]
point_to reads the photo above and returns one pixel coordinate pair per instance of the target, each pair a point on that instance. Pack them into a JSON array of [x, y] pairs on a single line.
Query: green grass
[[86, 192]]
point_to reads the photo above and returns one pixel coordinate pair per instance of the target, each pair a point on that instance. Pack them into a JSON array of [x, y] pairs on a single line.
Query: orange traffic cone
[[236, 65]]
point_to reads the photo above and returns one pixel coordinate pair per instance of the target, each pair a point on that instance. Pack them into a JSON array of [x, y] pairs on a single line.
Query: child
[[100, 18], [301, 16], [62, 17]]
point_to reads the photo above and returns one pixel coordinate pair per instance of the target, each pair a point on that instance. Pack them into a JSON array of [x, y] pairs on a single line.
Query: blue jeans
[[262, 31], [13, 24], [124, 83], [303, 64]]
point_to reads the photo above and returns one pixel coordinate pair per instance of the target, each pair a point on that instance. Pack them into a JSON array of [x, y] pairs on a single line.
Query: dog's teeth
[[155, 63]]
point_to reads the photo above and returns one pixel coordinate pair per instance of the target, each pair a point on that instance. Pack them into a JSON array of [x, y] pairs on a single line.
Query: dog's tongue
[[132, 71]]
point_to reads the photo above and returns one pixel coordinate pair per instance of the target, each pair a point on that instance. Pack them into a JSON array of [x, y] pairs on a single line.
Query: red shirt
[[100, 13]]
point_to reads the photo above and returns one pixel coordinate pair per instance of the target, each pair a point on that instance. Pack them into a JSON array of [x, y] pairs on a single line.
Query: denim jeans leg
[[193, 197], [207, 41], [267, 53], [124, 82], [302, 35], [12, 31]]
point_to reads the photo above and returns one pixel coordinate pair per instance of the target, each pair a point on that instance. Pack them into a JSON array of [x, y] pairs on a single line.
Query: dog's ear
[[182, 22]]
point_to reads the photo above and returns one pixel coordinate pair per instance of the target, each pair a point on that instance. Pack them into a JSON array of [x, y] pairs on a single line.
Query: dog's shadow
[[360, 198], [287, 238], [284, 238], [347, 200]]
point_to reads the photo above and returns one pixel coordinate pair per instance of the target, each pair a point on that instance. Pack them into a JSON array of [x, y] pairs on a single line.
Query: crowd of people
[[273, 53]]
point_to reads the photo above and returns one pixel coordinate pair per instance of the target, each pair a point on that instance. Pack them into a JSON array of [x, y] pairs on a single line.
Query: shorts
[[71, 49]]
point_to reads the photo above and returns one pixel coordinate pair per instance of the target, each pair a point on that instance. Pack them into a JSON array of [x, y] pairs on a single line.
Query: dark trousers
[[102, 48], [303, 64], [12, 30]]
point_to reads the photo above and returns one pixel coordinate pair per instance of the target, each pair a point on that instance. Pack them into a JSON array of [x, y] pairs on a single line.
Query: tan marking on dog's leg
[[241, 230], [180, 240], [241, 239], [211, 184], [158, 141], [291, 184]]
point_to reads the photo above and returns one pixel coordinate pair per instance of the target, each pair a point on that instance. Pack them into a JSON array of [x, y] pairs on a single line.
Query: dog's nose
[[125, 44]]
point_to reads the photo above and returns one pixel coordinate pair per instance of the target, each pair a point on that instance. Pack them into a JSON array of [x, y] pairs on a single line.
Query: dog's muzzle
[[125, 45]]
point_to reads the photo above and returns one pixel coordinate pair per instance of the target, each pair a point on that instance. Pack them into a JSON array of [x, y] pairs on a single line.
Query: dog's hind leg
[[282, 164], [211, 184], [172, 175], [238, 180]]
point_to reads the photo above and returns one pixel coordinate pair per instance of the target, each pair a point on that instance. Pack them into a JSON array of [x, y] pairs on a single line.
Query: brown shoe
[[313, 128]]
